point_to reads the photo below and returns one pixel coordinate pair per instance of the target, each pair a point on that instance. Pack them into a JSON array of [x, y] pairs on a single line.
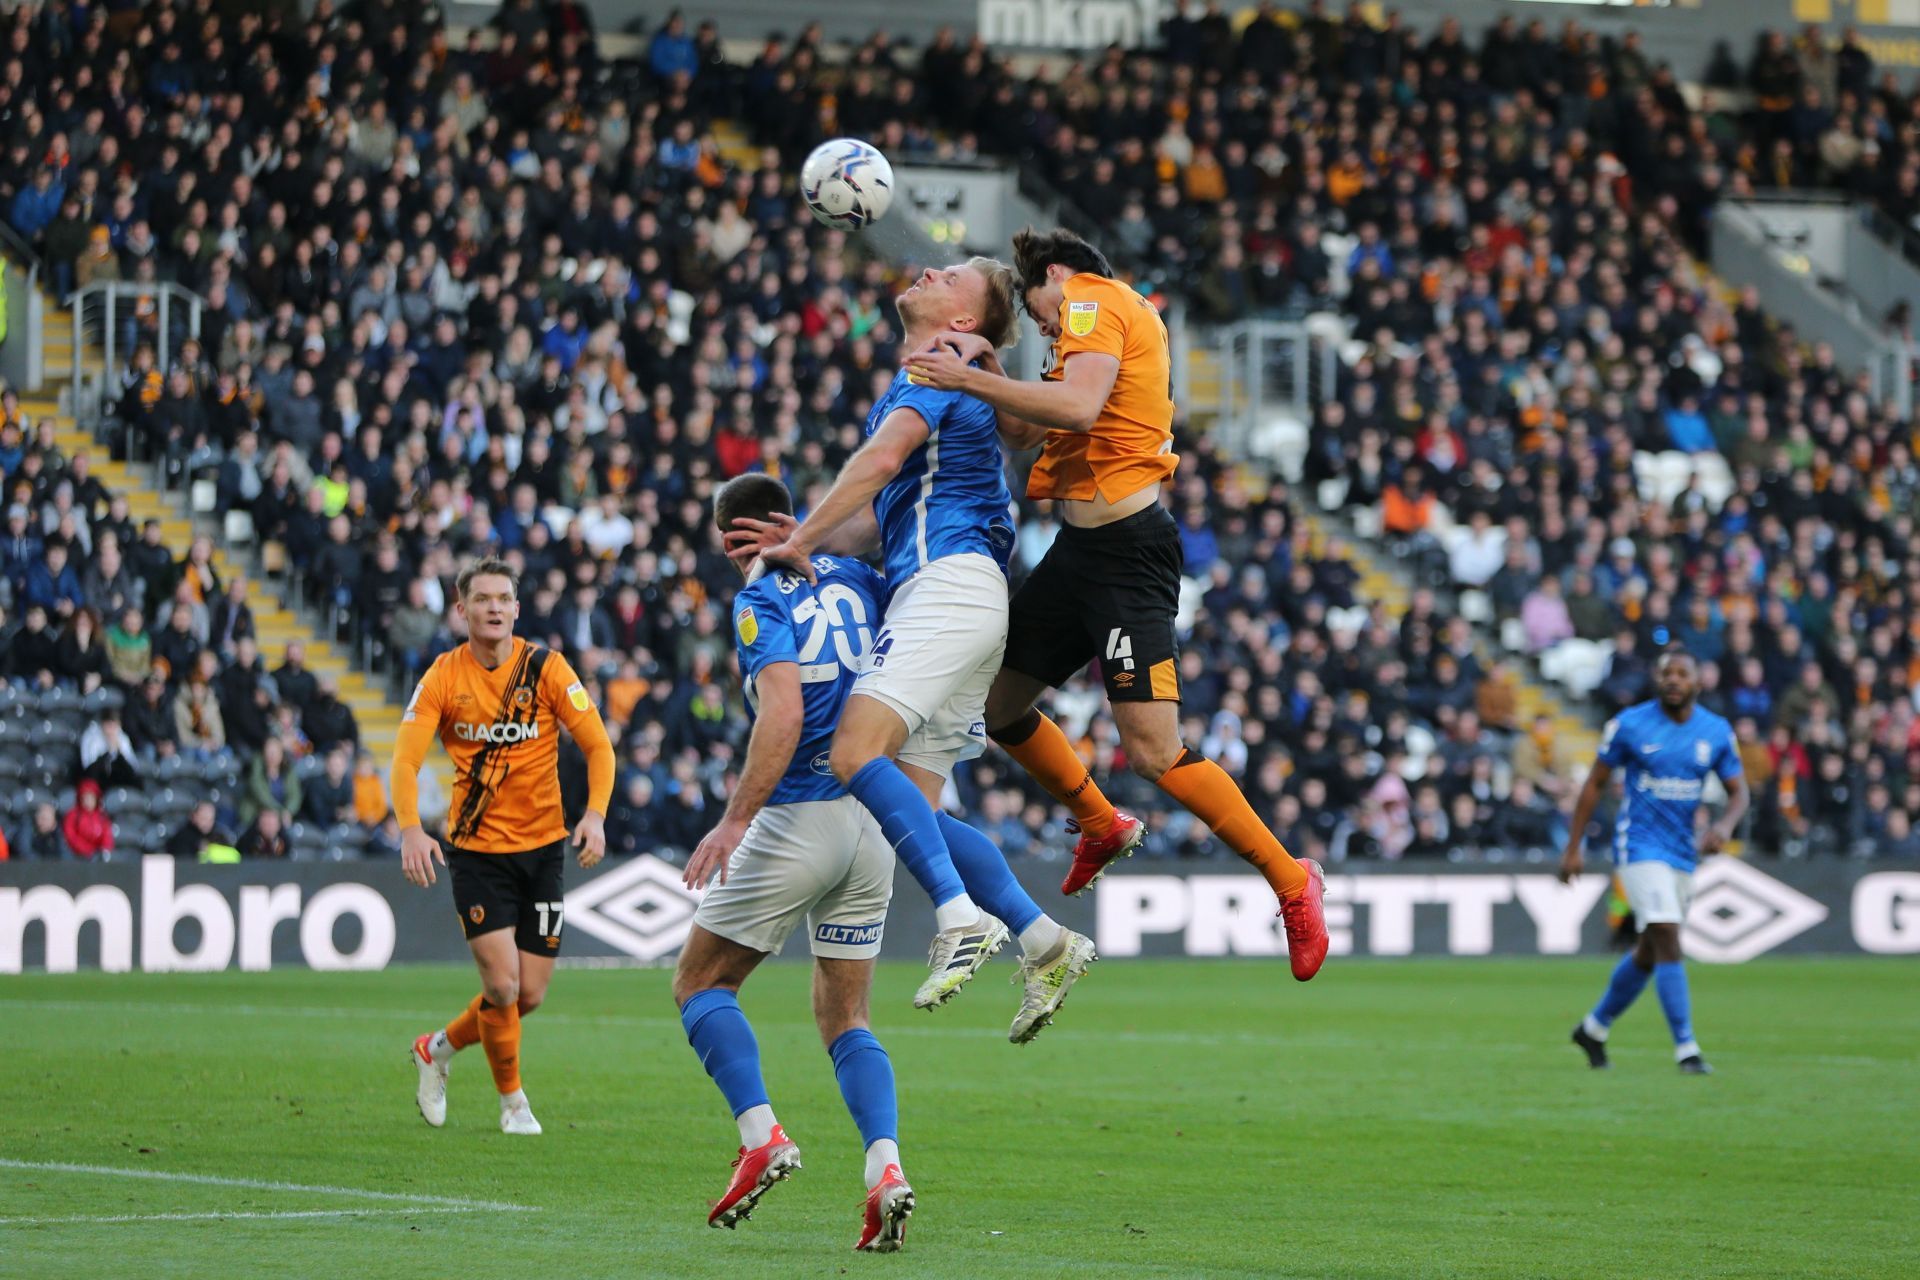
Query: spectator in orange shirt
[[369, 793], [1406, 506]]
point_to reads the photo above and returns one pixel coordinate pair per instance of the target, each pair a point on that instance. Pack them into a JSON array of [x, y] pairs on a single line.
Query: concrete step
[[276, 626]]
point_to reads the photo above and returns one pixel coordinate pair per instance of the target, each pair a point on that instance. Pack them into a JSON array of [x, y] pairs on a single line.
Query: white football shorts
[[821, 860], [1658, 892], [937, 653]]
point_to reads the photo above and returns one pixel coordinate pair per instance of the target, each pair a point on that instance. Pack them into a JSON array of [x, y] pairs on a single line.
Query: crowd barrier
[[158, 915]]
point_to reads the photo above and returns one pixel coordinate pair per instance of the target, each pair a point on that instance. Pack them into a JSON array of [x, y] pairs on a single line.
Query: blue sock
[[1629, 980], [909, 824], [1670, 980], [984, 871], [865, 1074], [723, 1038]]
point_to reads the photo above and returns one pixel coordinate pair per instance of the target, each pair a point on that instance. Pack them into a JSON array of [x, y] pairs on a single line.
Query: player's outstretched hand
[[714, 852], [590, 838], [751, 537], [791, 557], [968, 347], [1572, 863], [939, 368], [1712, 840], [417, 852]]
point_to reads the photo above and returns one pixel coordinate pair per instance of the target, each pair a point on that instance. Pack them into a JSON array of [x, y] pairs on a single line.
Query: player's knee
[[530, 1000], [501, 992], [1151, 759], [848, 758]]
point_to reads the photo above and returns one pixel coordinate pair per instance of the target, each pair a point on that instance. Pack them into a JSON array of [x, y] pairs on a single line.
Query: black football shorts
[[518, 891], [1106, 595]]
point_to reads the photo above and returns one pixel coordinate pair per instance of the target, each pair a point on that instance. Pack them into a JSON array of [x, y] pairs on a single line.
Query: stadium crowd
[[502, 294]]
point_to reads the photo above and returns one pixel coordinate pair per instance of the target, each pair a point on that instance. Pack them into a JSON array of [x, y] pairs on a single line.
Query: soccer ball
[[847, 184]]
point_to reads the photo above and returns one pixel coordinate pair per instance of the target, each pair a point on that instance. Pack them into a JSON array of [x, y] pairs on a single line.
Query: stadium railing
[[111, 311]]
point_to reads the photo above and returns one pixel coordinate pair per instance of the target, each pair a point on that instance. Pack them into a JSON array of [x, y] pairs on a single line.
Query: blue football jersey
[[951, 497], [1666, 764], [825, 628]]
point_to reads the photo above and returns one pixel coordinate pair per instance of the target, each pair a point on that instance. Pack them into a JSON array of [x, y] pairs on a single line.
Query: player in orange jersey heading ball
[[497, 704]]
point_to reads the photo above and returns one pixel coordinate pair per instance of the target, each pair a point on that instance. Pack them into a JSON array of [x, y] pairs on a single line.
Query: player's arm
[[1739, 796], [1614, 750], [1572, 862], [417, 728], [864, 476], [1015, 432], [776, 733], [574, 709], [1072, 403], [858, 536]]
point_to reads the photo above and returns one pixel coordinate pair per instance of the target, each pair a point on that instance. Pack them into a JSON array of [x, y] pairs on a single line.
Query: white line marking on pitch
[[256, 1184], [88, 1219]]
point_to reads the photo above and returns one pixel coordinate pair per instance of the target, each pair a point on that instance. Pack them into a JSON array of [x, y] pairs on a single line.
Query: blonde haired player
[[497, 704]]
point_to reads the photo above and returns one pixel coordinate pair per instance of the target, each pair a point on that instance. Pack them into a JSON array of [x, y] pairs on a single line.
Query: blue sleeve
[[1726, 762], [762, 630], [1614, 750], [930, 403]]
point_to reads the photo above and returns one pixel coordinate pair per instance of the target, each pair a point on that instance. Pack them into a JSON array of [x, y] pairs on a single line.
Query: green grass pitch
[[1392, 1119]]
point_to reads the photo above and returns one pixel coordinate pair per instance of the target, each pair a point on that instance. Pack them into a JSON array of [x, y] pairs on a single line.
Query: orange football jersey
[[501, 730], [1131, 443]]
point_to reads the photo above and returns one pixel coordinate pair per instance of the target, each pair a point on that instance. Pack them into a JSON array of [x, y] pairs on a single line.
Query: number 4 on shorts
[[1120, 648]]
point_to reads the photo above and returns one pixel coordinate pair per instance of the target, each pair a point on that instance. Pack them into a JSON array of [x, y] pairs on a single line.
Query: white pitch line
[[256, 1184], [89, 1219]]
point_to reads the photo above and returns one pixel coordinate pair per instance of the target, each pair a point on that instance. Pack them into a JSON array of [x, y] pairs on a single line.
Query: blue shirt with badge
[[1666, 763], [825, 628], [951, 497]]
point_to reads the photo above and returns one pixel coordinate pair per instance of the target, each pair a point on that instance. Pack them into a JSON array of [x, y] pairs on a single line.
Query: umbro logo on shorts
[[848, 935]]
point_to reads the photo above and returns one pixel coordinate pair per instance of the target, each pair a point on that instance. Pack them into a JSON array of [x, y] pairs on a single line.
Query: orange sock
[[464, 1030], [1206, 791], [1043, 751], [500, 1035]]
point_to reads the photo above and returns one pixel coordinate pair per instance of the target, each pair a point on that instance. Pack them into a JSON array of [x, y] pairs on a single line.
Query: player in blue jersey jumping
[[933, 479], [1667, 747], [793, 844]]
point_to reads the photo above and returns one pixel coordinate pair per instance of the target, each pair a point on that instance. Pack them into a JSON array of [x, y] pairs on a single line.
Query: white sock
[[955, 914], [441, 1049], [1040, 937], [515, 1101], [756, 1126], [1691, 1049], [1595, 1029], [883, 1152]]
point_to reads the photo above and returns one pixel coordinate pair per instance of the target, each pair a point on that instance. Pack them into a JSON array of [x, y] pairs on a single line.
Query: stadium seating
[[457, 308]]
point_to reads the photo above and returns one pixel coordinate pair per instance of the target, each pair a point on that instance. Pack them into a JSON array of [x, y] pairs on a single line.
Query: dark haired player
[[1109, 587], [1667, 746]]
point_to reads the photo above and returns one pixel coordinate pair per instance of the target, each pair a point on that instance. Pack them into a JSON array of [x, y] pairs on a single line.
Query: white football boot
[[1046, 981], [431, 1092], [955, 956]]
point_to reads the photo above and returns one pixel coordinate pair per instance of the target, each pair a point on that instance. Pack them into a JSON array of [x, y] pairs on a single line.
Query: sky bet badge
[[747, 625], [1080, 317]]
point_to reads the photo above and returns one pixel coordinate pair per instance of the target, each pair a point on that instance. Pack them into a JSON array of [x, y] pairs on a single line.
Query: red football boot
[[889, 1205], [754, 1173], [1093, 853], [1306, 922]]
